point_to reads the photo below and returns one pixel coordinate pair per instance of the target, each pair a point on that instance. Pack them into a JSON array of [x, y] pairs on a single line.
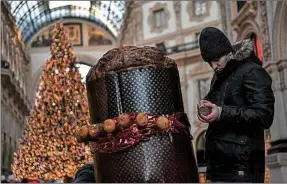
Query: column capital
[[282, 64]]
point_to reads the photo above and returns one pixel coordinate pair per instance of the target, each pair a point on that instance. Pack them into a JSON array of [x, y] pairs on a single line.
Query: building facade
[[92, 27], [14, 102], [174, 26]]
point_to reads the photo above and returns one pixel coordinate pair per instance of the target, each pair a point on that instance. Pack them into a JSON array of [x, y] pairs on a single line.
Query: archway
[[247, 27], [83, 66], [280, 27], [250, 30]]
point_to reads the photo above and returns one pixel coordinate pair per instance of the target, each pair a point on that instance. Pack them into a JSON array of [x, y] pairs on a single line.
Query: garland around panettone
[[128, 129]]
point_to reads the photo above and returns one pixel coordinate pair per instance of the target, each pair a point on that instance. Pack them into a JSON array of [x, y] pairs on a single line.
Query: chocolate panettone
[[135, 97]]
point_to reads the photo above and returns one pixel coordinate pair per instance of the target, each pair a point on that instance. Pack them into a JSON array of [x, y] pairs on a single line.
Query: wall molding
[[249, 11], [183, 32]]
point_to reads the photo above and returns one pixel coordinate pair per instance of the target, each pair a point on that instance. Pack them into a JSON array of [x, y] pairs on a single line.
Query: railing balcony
[[182, 47]]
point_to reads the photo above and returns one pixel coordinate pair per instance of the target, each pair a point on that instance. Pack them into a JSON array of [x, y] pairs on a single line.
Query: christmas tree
[[49, 149]]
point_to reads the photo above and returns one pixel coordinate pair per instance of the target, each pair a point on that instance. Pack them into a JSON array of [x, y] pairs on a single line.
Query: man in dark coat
[[242, 106]]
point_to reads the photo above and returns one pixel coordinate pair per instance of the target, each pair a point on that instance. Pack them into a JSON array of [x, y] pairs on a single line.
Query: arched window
[[83, 69], [200, 149]]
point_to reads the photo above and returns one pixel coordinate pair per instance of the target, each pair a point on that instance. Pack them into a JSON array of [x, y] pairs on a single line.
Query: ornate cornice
[[271, 67], [282, 64], [265, 32], [248, 11]]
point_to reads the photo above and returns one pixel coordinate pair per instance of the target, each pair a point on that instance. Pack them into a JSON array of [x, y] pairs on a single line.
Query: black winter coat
[[235, 149]]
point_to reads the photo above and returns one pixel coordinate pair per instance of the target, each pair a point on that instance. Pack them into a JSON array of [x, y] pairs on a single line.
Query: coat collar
[[241, 50]]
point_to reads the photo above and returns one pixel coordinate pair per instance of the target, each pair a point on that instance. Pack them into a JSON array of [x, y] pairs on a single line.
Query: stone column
[[276, 160], [229, 19], [265, 31], [177, 10], [277, 154], [225, 9]]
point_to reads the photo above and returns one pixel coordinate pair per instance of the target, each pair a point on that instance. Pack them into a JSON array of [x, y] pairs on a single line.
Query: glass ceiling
[[31, 16]]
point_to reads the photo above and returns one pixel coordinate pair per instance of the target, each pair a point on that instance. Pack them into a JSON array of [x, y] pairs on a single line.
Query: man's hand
[[201, 103], [215, 112]]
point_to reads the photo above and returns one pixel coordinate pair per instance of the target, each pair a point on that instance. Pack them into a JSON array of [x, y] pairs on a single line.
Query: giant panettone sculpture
[[140, 132]]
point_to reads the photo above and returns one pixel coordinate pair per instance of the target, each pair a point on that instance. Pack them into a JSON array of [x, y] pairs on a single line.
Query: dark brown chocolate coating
[[129, 57]]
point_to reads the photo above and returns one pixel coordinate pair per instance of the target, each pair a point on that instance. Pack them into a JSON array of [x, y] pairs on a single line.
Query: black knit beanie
[[213, 44]]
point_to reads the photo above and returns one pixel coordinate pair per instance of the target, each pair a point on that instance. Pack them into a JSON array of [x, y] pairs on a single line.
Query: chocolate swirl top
[[129, 57]]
